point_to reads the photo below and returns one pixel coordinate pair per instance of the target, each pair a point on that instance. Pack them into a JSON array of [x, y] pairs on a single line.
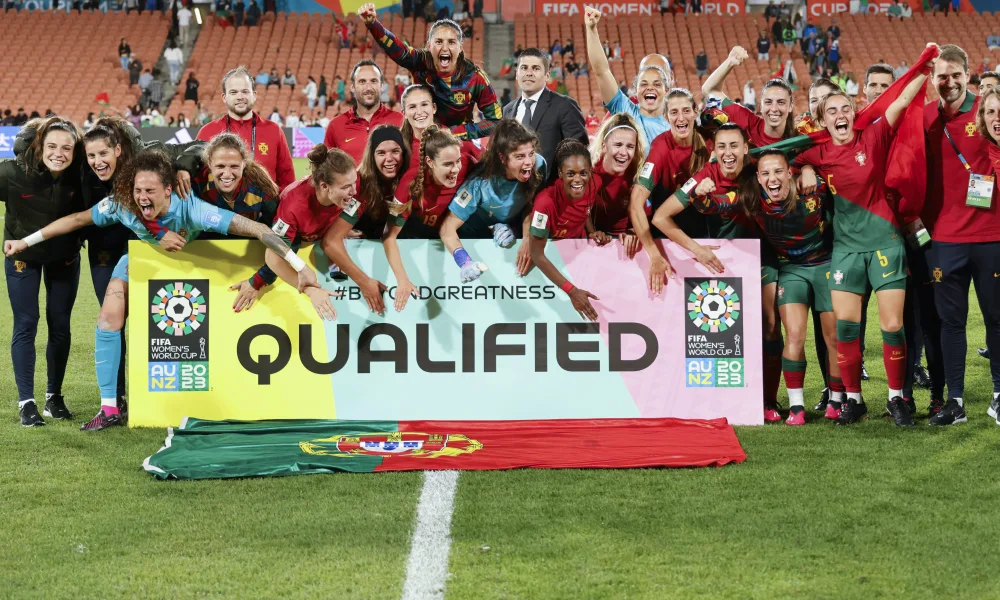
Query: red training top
[[945, 213], [265, 138], [436, 197], [349, 132]]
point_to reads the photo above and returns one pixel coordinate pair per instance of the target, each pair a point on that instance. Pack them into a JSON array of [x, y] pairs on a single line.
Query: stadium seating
[[63, 61], [307, 44], [864, 40]]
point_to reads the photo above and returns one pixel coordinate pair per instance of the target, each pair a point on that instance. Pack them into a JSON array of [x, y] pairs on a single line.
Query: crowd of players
[[833, 232]]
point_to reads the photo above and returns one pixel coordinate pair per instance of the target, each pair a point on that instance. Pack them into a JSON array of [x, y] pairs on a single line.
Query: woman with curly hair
[[144, 202], [497, 195]]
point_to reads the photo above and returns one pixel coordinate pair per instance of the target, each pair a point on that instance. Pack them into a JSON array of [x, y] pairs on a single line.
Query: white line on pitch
[[427, 567]]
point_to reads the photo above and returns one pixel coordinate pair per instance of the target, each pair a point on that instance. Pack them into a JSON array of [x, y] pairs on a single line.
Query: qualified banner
[[501, 348]]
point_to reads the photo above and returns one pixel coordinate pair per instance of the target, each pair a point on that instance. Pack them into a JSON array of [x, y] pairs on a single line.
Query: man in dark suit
[[552, 116]]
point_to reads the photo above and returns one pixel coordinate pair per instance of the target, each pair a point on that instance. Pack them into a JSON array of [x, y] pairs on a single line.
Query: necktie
[[526, 119]]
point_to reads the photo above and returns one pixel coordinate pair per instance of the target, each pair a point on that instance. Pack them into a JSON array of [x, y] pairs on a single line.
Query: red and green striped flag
[[201, 449], [507, 67]]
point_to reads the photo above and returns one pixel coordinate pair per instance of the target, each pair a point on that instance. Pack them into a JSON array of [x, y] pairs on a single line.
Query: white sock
[[960, 401], [838, 396], [48, 396], [895, 394], [112, 402], [21, 403], [856, 396], [996, 395], [795, 398]]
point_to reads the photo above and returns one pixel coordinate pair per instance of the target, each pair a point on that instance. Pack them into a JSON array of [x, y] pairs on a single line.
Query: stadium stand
[[63, 61], [302, 42], [864, 40]]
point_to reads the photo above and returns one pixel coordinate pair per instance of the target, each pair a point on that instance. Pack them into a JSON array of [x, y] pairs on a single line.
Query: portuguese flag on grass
[[201, 449]]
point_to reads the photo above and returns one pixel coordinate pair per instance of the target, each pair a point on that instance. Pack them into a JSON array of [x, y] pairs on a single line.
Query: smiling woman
[[457, 83], [39, 187]]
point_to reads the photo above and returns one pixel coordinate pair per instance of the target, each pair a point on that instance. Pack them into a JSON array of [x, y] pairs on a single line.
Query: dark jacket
[[555, 118], [35, 198], [185, 157]]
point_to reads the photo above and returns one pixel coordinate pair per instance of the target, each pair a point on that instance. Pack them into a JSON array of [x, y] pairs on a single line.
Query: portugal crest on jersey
[[838, 277], [389, 444], [263, 148], [861, 157], [970, 129], [458, 97]]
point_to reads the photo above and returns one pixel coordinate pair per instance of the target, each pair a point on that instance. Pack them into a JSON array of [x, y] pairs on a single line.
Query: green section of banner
[[224, 449]]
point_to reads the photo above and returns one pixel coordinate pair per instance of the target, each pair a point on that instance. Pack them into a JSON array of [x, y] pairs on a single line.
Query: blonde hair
[[614, 122]]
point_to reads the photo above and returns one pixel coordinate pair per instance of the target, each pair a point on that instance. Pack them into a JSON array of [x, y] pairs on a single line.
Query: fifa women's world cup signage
[[500, 348]]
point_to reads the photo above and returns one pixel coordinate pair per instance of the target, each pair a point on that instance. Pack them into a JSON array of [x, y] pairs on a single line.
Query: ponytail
[[432, 142], [326, 163]]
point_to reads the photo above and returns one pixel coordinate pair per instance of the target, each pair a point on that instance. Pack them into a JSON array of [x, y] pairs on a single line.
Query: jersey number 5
[[829, 183]]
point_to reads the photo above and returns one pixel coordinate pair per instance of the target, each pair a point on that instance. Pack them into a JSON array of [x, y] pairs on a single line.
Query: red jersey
[[302, 219], [436, 198], [557, 217], [863, 220], [667, 164], [474, 148], [613, 195], [349, 132], [265, 139], [945, 213], [751, 123]]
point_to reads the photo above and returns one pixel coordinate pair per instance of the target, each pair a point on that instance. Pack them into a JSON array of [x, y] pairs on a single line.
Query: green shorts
[[804, 284], [768, 264], [853, 271]]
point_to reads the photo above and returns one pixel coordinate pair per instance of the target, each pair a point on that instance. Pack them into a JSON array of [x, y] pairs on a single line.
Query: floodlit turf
[[816, 512]]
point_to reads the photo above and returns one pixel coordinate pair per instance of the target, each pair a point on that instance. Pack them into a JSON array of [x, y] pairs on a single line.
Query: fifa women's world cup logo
[[714, 332]]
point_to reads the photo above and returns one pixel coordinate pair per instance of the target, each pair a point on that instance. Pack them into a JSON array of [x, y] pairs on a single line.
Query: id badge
[[917, 235], [980, 191]]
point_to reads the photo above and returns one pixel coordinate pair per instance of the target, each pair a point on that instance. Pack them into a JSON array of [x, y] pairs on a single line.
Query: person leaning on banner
[[265, 139], [552, 116], [458, 84], [349, 130], [563, 211]]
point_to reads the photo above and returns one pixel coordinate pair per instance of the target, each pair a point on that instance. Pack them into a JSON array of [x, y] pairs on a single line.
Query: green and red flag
[[507, 67], [201, 449], [103, 99]]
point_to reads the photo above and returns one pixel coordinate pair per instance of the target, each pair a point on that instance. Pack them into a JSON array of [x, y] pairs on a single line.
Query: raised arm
[[56, 228], [399, 51], [713, 85], [333, 245], [909, 92], [599, 66]]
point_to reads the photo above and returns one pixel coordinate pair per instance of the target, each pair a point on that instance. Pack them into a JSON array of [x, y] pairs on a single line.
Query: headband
[[386, 134], [608, 132]]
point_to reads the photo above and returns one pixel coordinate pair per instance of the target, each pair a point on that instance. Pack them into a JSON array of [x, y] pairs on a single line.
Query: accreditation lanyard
[[253, 133], [980, 192]]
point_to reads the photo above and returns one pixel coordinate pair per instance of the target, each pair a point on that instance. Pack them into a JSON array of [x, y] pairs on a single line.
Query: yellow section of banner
[[175, 382]]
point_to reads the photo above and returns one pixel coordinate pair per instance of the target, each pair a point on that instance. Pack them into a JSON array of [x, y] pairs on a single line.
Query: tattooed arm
[[241, 226]]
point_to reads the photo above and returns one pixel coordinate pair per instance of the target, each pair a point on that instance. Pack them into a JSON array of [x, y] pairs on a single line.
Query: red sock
[[836, 384], [895, 365], [849, 359], [795, 380], [110, 410]]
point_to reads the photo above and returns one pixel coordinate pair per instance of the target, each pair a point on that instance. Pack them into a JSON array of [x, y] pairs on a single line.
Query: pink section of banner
[[662, 389]]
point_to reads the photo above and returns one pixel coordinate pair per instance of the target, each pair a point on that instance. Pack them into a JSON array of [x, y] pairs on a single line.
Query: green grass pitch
[[816, 512]]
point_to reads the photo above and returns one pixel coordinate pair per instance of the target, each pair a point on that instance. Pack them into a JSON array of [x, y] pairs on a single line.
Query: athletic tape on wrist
[[567, 286], [35, 238], [293, 259]]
